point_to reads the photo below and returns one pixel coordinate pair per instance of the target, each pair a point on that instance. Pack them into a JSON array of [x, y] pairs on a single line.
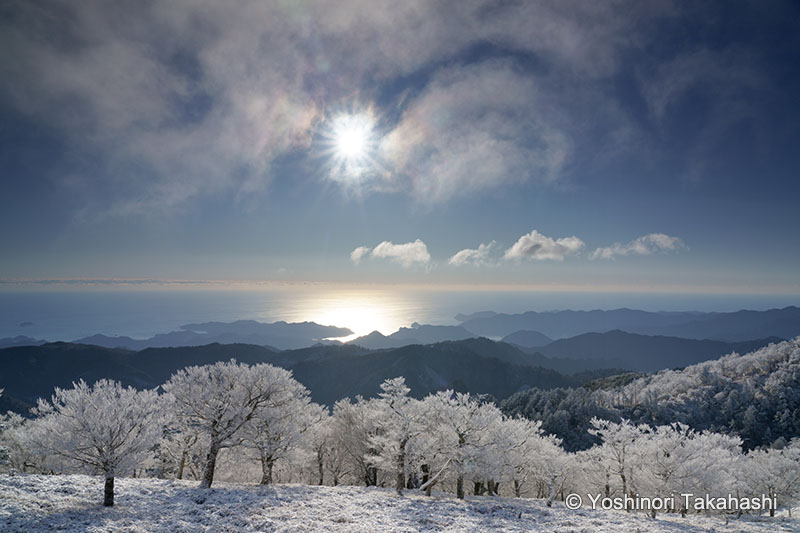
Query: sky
[[619, 145]]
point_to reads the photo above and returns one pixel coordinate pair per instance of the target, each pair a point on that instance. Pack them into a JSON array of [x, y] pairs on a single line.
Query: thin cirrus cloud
[[473, 256], [540, 247], [476, 128], [645, 245], [406, 254], [227, 91]]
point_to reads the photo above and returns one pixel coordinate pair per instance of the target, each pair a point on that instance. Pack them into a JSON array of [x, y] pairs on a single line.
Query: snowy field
[[31, 503]]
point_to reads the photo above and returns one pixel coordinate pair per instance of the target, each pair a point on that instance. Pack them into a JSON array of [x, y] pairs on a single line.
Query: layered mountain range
[[530, 330], [430, 357]]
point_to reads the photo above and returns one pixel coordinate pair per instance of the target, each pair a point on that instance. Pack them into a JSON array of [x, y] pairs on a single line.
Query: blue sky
[[618, 145]]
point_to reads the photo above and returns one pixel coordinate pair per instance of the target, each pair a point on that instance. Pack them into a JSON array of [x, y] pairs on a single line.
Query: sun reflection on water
[[361, 311]]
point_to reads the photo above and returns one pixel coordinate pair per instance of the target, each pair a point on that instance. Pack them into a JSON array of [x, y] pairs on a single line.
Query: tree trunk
[[425, 473], [460, 487], [320, 467], [211, 464], [552, 493], [428, 485], [372, 476], [400, 476], [182, 464], [477, 488], [266, 470], [108, 498], [516, 488], [429, 488]]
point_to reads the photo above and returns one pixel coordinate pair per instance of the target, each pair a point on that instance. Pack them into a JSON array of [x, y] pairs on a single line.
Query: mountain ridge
[[733, 326]]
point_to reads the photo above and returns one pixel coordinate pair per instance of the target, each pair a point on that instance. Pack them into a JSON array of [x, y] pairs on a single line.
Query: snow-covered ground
[[31, 503]]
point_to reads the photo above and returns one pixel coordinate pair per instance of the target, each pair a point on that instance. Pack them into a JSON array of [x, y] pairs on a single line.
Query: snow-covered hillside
[[34, 503]]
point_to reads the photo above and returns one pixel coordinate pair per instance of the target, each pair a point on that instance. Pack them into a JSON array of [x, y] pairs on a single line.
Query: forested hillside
[[755, 396], [333, 372]]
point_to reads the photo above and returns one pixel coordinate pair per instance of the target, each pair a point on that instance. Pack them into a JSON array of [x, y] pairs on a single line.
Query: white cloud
[[406, 254], [359, 253], [475, 128], [475, 256], [534, 245], [188, 99], [644, 245]]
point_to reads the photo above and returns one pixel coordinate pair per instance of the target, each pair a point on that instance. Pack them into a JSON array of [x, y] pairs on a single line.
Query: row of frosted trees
[[246, 423]]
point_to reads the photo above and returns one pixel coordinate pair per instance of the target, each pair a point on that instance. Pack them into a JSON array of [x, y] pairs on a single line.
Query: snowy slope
[[30, 503]]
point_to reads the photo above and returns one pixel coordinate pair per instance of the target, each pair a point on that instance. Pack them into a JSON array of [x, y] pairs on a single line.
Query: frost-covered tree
[[221, 399], [656, 461], [354, 426], [108, 428], [502, 446], [518, 446], [455, 424], [399, 416], [281, 424], [616, 450], [330, 453], [717, 463], [553, 467], [674, 459], [24, 454], [317, 443], [665, 460], [181, 450], [776, 473]]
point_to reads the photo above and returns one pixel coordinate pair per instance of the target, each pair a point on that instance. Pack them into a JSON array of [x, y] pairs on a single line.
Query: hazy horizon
[[71, 313]]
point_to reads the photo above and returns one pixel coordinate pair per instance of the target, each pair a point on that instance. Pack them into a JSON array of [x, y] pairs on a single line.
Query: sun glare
[[352, 135], [350, 145], [363, 313], [361, 319], [351, 139]]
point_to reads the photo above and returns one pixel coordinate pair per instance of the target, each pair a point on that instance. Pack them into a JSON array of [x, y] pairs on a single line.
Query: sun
[[352, 136], [349, 145]]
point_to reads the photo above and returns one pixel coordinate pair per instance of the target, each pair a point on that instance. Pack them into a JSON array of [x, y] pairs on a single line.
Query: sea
[[73, 313]]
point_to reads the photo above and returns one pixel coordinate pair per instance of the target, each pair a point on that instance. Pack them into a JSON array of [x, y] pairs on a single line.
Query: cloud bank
[[539, 247], [645, 245], [531, 246], [406, 254], [474, 256]]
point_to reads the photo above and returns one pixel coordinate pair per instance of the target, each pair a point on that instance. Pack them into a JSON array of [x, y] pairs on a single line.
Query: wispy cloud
[[474, 256], [175, 100], [644, 245], [536, 246], [406, 254], [359, 253], [475, 128]]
